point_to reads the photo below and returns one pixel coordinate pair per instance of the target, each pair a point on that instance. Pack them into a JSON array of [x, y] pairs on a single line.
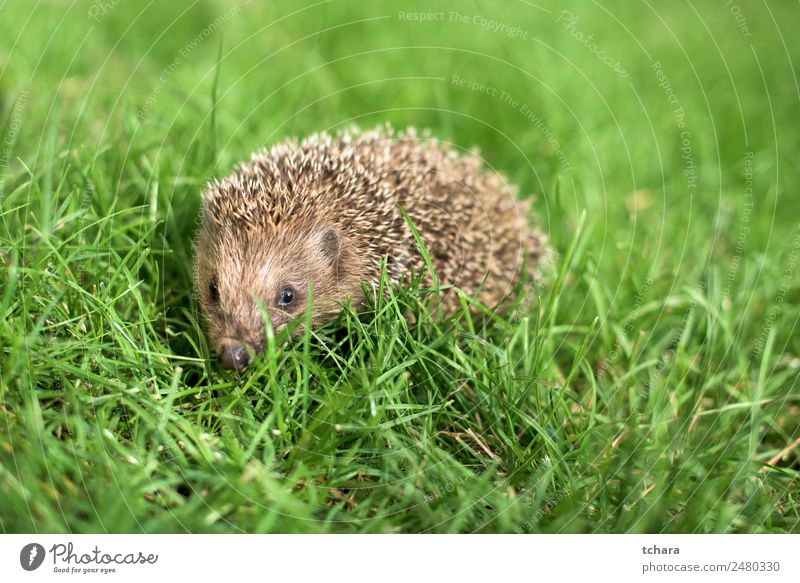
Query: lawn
[[651, 384]]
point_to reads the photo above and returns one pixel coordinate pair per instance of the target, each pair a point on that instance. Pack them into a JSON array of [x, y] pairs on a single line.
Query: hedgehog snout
[[239, 337], [234, 355]]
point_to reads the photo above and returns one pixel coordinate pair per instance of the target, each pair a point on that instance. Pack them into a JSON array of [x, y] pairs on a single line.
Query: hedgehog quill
[[319, 217]]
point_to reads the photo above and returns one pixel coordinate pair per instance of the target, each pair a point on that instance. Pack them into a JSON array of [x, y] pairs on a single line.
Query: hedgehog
[[320, 219]]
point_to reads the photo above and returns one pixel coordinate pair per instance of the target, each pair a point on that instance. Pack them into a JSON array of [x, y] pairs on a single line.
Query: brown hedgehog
[[326, 212]]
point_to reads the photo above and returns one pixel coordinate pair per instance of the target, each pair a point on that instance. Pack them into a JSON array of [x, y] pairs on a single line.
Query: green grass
[[651, 385]]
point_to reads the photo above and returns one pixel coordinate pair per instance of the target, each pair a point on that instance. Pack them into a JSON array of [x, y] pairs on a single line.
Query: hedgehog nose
[[234, 356]]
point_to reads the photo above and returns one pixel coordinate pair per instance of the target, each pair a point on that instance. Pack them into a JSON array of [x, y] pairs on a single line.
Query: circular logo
[[31, 556]]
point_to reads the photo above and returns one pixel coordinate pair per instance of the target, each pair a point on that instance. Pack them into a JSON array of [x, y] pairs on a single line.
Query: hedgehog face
[[240, 271]]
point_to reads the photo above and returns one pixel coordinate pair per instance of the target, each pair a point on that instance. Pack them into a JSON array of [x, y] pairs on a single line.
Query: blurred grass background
[[653, 388]]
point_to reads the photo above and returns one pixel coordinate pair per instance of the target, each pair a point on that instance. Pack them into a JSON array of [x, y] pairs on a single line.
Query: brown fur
[[326, 211]]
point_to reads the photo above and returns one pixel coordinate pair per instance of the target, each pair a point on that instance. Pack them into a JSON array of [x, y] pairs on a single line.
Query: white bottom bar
[[445, 558]]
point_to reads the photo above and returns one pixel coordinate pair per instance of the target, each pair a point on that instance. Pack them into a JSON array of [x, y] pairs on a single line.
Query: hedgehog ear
[[329, 242]]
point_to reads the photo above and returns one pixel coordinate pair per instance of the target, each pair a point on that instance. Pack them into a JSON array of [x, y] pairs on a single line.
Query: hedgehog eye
[[286, 296], [213, 290]]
